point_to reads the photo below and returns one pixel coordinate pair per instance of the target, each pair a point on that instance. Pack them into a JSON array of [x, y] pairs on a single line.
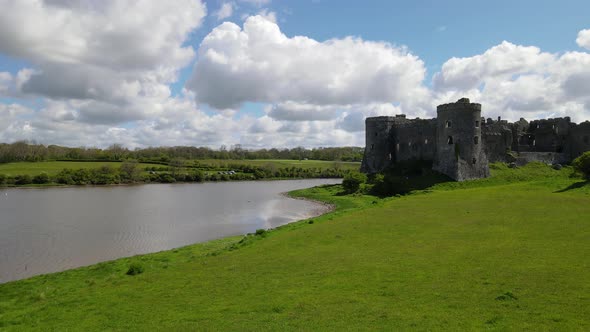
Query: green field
[[280, 163], [53, 167], [507, 253]]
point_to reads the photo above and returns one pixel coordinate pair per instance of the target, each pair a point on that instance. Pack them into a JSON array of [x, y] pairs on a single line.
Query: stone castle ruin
[[461, 144]]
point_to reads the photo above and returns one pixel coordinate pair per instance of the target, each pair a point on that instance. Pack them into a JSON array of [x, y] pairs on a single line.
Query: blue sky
[[176, 74]]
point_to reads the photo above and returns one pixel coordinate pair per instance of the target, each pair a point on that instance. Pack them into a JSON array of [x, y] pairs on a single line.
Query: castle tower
[[459, 145], [378, 147]]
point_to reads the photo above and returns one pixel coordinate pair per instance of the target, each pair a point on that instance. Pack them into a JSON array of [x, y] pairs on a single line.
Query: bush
[[352, 181], [23, 179], [2, 178], [582, 164], [41, 178], [134, 269], [261, 232]]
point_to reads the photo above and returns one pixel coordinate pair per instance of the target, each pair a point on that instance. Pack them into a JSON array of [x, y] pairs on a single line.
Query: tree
[[582, 164], [129, 172], [352, 181]]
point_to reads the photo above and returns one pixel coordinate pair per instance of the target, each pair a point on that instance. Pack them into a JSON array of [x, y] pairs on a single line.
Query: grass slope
[[507, 253], [53, 167]]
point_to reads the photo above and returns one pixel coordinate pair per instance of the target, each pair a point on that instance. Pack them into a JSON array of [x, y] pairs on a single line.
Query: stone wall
[[414, 140], [459, 153], [460, 143]]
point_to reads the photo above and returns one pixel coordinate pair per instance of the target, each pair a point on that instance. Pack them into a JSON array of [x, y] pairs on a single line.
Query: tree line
[[132, 172], [31, 151]]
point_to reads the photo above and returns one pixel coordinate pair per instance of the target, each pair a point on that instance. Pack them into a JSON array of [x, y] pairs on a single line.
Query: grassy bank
[[54, 167], [507, 253], [47, 173]]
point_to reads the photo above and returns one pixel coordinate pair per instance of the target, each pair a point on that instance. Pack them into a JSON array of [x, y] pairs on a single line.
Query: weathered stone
[[460, 143], [557, 166]]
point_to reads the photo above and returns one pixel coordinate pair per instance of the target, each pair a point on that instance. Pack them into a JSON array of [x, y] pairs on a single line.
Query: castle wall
[[579, 139], [497, 140], [378, 144], [550, 158], [414, 140], [460, 153], [461, 144]]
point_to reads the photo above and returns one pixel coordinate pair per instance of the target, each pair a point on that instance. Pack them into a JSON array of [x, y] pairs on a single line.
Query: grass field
[[279, 163], [53, 167], [507, 253]]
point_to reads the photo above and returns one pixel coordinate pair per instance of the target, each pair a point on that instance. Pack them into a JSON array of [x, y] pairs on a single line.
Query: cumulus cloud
[[226, 10], [583, 39], [259, 63], [5, 82], [98, 52], [292, 111], [519, 81]]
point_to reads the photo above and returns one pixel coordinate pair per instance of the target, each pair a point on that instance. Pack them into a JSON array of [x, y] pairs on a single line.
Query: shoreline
[[57, 185]]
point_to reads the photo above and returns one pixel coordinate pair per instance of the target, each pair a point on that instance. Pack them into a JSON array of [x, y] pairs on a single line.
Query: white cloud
[[261, 64], [98, 52], [5, 82], [583, 39], [519, 81], [256, 2], [226, 10]]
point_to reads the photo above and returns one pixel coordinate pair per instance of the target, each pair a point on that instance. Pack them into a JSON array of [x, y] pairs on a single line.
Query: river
[[53, 229]]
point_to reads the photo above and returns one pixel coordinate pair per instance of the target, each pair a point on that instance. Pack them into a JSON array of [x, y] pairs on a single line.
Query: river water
[[54, 229]]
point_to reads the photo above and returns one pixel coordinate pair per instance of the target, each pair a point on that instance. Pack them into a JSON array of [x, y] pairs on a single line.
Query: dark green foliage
[[23, 179], [134, 269], [24, 151], [2, 178], [582, 164], [260, 232], [352, 181], [129, 171], [41, 178], [166, 178], [405, 177]]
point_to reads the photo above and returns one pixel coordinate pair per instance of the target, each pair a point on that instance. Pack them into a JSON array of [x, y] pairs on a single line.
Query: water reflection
[[53, 229]]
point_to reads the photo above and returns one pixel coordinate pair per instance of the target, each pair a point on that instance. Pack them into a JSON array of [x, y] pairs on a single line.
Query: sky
[[279, 73]]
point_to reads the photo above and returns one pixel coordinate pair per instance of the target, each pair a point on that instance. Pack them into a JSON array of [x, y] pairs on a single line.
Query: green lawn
[[53, 167], [279, 163], [507, 253]]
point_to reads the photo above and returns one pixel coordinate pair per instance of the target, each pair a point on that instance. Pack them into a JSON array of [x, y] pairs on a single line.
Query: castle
[[461, 144]]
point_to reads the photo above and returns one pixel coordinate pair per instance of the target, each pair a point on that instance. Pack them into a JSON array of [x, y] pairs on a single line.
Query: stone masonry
[[460, 143]]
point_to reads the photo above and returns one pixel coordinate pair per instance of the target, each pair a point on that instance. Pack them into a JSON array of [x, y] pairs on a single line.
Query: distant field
[[285, 163], [53, 167]]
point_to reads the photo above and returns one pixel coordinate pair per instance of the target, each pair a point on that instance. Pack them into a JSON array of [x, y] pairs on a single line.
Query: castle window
[[426, 141], [448, 125], [450, 140], [534, 142], [376, 134], [476, 140], [397, 147], [474, 161], [476, 124], [586, 140], [372, 147], [389, 156]]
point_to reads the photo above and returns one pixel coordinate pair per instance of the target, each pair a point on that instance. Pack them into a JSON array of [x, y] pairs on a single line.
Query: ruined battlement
[[460, 142], [461, 104]]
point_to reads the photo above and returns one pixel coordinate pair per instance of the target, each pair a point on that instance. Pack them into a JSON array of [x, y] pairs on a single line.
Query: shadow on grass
[[393, 185], [575, 185]]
